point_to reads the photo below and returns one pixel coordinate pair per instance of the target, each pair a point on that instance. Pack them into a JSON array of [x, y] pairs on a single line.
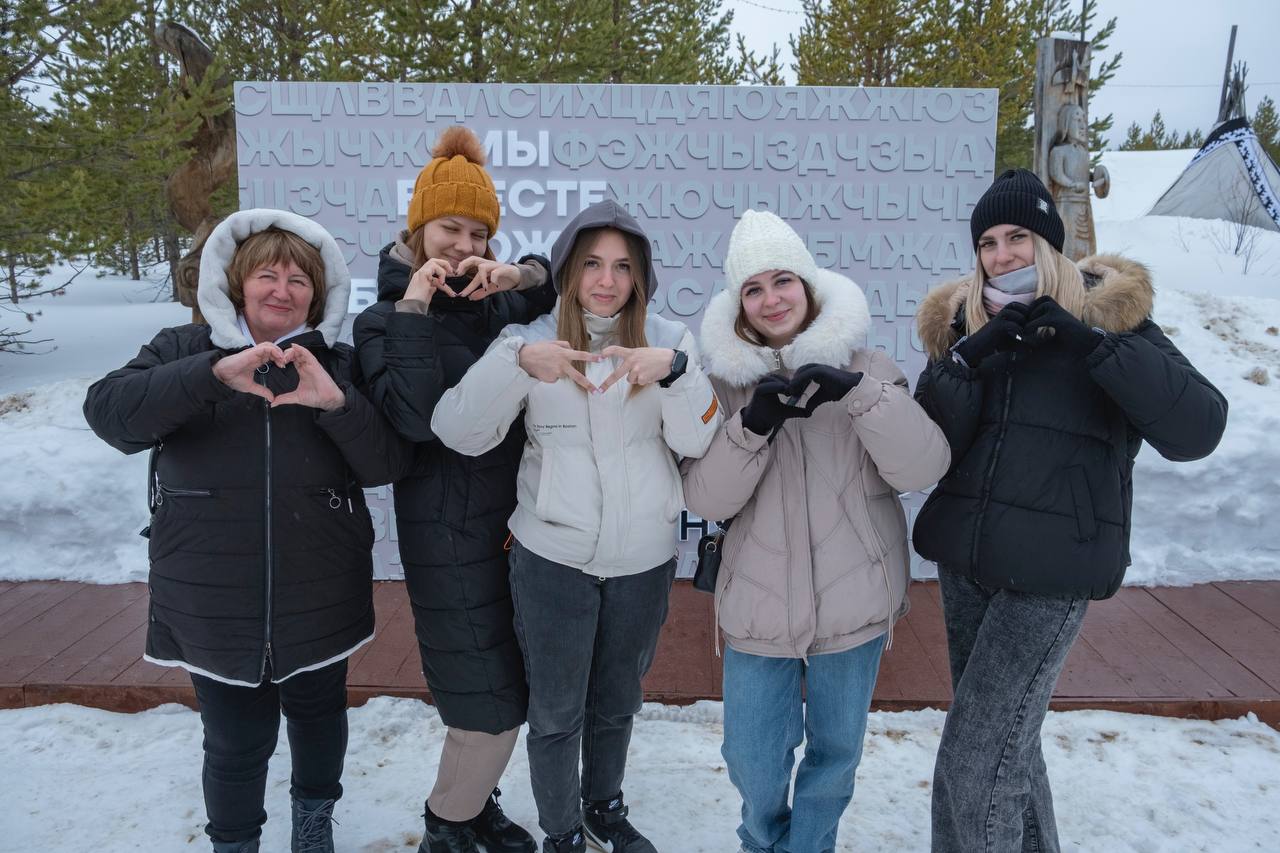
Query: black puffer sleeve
[[1179, 412], [538, 300], [951, 394], [373, 449], [165, 385], [399, 368]]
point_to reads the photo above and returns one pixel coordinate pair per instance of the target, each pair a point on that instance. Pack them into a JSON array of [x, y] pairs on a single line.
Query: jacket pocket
[[1086, 524], [556, 490]]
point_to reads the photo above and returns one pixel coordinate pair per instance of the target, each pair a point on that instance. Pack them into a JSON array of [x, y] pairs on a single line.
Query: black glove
[[1048, 321], [833, 384], [1000, 333], [766, 412]]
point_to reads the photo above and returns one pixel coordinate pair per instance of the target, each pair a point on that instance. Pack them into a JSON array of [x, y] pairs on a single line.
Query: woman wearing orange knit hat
[[442, 299]]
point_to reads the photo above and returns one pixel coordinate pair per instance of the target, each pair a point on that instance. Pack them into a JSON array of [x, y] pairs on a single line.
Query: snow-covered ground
[[120, 782]]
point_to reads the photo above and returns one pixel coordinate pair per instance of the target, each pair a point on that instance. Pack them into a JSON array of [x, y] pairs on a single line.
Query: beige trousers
[[471, 764]]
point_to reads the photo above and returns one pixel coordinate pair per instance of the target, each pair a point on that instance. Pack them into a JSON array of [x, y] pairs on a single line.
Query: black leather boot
[[446, 836], [497, 833], [250, 846]]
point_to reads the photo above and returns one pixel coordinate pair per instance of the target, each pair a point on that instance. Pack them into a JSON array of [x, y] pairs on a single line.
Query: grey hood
[[604, 214]]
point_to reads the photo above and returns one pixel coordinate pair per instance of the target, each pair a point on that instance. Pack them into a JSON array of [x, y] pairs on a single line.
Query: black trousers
[[241, 730]]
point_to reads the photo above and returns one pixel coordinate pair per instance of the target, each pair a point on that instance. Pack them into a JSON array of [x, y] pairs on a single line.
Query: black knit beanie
[[1018, 198]]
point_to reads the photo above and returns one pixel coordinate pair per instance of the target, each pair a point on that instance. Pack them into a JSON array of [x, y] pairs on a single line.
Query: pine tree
[[35, 204], [948, 43], [110, 105], [1266, 123]]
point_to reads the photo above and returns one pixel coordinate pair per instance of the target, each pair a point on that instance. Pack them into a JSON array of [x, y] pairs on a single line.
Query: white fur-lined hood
[[840, 329], [213, 293]]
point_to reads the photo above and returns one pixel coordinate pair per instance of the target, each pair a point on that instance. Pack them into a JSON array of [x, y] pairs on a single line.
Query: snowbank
[[1123, 782], [97, 324]]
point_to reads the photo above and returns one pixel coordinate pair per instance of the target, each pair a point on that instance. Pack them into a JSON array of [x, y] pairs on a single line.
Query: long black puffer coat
[[260, 539], [452, 511], [1039, 495]]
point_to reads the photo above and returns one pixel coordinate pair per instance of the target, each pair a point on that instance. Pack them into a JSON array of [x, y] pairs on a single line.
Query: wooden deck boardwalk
[[1209, 651]]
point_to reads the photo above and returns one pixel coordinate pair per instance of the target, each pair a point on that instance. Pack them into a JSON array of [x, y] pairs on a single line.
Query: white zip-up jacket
[[599, 489]]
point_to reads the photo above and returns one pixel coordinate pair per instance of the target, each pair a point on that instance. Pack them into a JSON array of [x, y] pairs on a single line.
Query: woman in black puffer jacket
[[1046, 378], [260, 539], [442, 299]]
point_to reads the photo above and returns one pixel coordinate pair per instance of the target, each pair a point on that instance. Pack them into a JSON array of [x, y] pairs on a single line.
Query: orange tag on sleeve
[[711, 410]]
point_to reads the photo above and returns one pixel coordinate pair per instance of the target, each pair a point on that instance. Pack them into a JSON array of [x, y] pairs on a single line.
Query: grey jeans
[[990, 788], [587, 643]]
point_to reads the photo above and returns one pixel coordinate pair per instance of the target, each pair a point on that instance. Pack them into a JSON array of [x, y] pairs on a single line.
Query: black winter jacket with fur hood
[[1039, 494]]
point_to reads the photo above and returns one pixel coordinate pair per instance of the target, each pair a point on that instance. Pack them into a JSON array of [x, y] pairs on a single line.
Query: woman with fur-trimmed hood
[[1046, 378], [820, 436], [260, 582]]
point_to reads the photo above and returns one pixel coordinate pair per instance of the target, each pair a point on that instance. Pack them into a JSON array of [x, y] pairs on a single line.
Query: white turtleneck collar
[[600, 327]]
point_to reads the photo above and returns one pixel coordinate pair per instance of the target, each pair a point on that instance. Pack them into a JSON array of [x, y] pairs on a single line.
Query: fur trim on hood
[[213, 294], [1118, 297], [841, 328]]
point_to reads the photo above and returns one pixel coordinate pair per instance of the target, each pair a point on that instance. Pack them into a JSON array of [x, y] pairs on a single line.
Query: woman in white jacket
[[612, 397]]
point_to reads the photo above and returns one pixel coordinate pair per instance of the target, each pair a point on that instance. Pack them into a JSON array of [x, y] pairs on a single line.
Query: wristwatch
[[678, 366]]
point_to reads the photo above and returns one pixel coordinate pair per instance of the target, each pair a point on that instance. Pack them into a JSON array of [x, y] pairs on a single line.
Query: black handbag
[[710, 550]]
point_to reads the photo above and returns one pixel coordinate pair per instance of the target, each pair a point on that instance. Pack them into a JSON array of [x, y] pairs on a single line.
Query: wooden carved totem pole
[[1062, 139]]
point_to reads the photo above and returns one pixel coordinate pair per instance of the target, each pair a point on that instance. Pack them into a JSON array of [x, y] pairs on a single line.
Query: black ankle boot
[[250, 846], [609, 830], [571, 842], [446, 836], [497, 833], [312, 826]]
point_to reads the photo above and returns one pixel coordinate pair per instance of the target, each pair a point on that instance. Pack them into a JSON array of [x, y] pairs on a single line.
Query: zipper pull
[[777, 359], [334, 501]]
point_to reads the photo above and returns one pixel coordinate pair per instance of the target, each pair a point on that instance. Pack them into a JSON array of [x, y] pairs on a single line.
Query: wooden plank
[[930, 625], [114, 660], [142, 673], [66, 666], [1153, 653], [30, 600], [1262, 597], [1247, 637], [44, 637], [387, 651], [1087, 674], [388, 596], [914, 674], [1115, 634], [1227, 671]]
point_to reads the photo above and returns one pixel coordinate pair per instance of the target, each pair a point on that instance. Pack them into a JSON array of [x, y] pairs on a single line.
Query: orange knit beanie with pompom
[[455, 183]]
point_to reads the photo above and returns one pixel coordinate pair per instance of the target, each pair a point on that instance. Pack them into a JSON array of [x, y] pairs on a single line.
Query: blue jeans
[[765, 720], [990, 788]]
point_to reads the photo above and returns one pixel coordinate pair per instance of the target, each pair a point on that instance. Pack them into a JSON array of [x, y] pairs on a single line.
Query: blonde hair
[[1057, 277], [570, 325], [272, 246]]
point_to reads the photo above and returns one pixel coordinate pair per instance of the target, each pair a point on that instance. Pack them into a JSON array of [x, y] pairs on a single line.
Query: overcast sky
[[1174, 54]]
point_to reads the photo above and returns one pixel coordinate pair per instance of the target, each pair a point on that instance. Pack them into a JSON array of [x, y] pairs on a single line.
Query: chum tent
[[1231, 177]]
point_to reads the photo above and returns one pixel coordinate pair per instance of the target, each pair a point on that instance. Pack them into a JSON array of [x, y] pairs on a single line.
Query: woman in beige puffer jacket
[[823, 437]]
